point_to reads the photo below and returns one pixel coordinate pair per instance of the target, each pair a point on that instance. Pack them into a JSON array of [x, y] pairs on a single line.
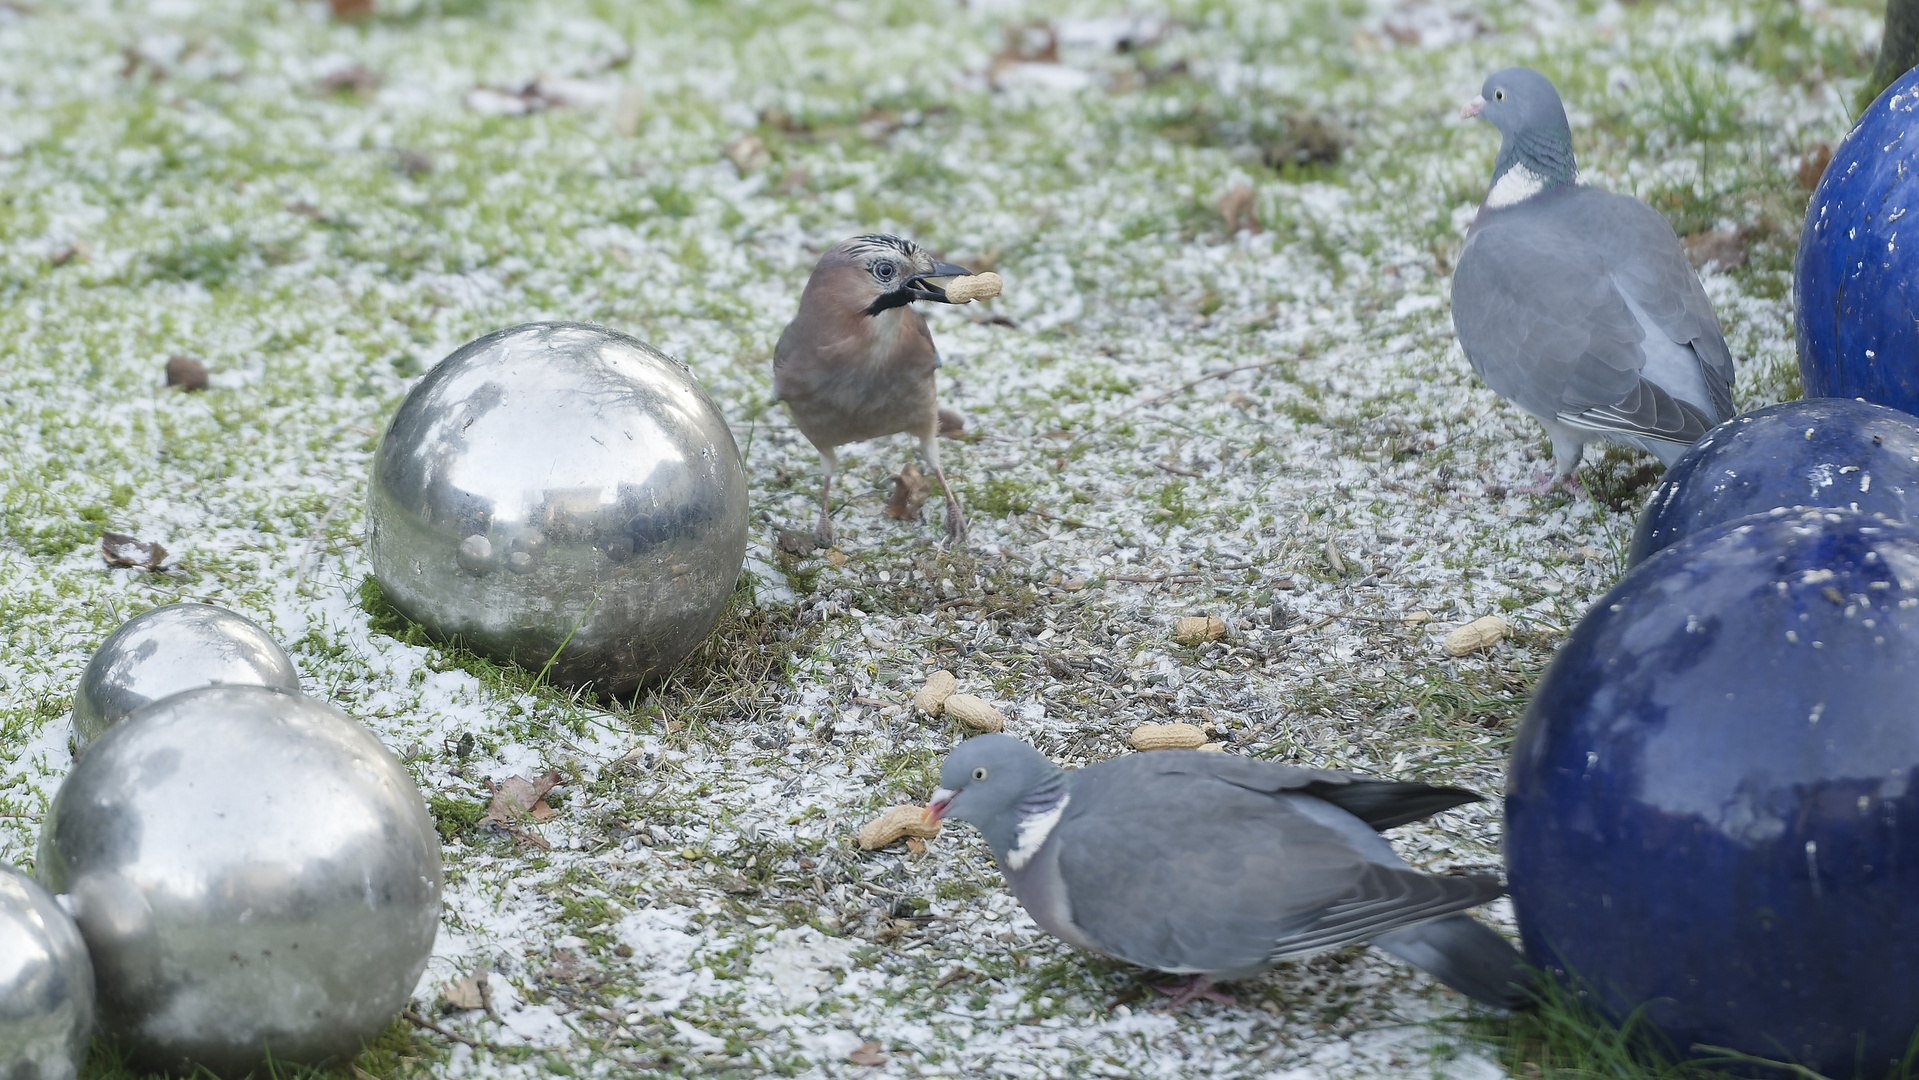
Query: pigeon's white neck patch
[[1514, 186], [1032, 834]]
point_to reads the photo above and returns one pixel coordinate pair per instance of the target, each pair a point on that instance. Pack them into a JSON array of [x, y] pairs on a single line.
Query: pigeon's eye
[[884, 270], [979, 774], [1499, 95]]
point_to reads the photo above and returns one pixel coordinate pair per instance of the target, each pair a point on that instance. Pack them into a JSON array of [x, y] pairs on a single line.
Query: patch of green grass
[[453, 816], [1566, 1037], [1000, 496]]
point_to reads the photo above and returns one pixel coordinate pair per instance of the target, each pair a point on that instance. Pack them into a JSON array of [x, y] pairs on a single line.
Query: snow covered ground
[[318, 210]]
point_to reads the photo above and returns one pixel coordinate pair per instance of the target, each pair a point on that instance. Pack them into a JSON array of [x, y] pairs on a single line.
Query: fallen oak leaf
[[466, 993], [909, 494], [121, 551], [517, 797], [867, 1053]]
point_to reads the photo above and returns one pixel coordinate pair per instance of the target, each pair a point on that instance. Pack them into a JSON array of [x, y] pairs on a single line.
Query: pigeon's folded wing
[[1650, 268], [1192, 874], [1379, 803], [1545, 324]]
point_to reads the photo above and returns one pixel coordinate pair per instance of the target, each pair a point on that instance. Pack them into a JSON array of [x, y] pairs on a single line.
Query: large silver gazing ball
[[565, 493], [46, 984], [170, 649], [253, 873]]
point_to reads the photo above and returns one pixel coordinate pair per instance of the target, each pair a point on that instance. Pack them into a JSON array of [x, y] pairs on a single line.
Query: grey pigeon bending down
[[857, 361], [1219, 866], [1576, 304]]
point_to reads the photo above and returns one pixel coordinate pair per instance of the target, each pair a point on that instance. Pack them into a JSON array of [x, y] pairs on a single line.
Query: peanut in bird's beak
[[1471, 108], [923, 289], [936, 806]]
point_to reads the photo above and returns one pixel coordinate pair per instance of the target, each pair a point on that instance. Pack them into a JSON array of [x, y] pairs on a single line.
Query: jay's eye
[[979, 774], [884, 270]]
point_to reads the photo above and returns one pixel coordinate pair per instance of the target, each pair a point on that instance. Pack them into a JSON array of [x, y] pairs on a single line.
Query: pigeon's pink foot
[[1544, 483], [1199, 986]]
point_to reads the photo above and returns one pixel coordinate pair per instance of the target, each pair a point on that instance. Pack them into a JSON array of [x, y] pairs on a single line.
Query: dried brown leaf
[[1716, 252], [867, 1053], [909, 494], [1813, 166], [517, 797], [466, 993], [126, 551], [1237, 207]]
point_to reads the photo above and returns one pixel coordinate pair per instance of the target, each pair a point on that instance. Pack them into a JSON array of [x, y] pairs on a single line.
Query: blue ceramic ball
[[1713, 803], [1833, 452], [1856, 281]]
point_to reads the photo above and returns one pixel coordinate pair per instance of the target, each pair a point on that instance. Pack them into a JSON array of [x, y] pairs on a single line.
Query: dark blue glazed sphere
[[1713, 804], [1833, 452], [1856, 281]]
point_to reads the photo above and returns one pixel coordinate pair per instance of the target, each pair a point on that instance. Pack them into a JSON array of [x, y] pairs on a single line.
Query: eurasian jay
[[857, 361]]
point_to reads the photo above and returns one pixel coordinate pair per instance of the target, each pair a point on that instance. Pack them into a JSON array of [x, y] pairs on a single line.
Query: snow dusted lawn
[[319, 211]]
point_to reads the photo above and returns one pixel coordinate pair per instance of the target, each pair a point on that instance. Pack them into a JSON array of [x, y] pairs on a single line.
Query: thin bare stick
[[417, 1020], [1183, 387]]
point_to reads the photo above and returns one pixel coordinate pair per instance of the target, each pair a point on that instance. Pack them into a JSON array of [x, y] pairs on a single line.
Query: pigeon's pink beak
[[936, 806], [1471, 108]]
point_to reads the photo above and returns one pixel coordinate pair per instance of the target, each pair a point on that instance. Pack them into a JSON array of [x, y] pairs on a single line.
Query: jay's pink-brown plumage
[[857, 362]]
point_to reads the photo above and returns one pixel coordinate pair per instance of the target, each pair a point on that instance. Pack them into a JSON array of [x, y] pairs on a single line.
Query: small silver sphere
[[46, 984], [170, 649], [556, 488], [254, 874]]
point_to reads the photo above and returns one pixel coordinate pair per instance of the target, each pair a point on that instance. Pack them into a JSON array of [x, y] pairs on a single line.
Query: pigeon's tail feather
[[1467, 955]]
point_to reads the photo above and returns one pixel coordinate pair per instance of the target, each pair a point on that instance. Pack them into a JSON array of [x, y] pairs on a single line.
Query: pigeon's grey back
[[1244, 873]]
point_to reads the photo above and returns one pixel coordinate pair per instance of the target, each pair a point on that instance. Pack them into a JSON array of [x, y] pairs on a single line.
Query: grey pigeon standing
[[1576, 304], [857, 362], [1219, 866]]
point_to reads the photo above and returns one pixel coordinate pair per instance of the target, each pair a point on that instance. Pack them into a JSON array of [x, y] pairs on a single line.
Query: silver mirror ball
[[254, 874], [46, 984], [560, 492], [169, 649]]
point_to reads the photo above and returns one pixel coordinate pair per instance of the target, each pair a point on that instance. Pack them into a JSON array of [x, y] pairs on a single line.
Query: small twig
[[313, 536], [1069, 522], [1176, 470], [1348, 614], [486, 990], [1183, 387], [417, 1020], [1157, 579]]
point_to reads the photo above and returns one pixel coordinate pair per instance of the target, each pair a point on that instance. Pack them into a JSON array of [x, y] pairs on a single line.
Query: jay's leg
[[831, 462], [955, 521]]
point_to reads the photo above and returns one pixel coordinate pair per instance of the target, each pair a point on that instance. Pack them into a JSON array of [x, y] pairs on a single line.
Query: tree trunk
[[1898, 51]]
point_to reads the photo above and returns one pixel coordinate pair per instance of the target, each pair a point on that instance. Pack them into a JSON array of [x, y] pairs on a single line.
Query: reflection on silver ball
[[170, 649], [253, 873], [46, 984], [559, 483]]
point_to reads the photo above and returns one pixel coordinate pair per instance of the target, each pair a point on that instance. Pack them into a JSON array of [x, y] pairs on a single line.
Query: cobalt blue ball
[[1713, 803], [1833, 452], [1856, 281]]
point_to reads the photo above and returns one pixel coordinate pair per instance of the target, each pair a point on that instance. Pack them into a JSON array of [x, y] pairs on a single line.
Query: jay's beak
[[1471, 108], [936, 806], [924, 289]]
